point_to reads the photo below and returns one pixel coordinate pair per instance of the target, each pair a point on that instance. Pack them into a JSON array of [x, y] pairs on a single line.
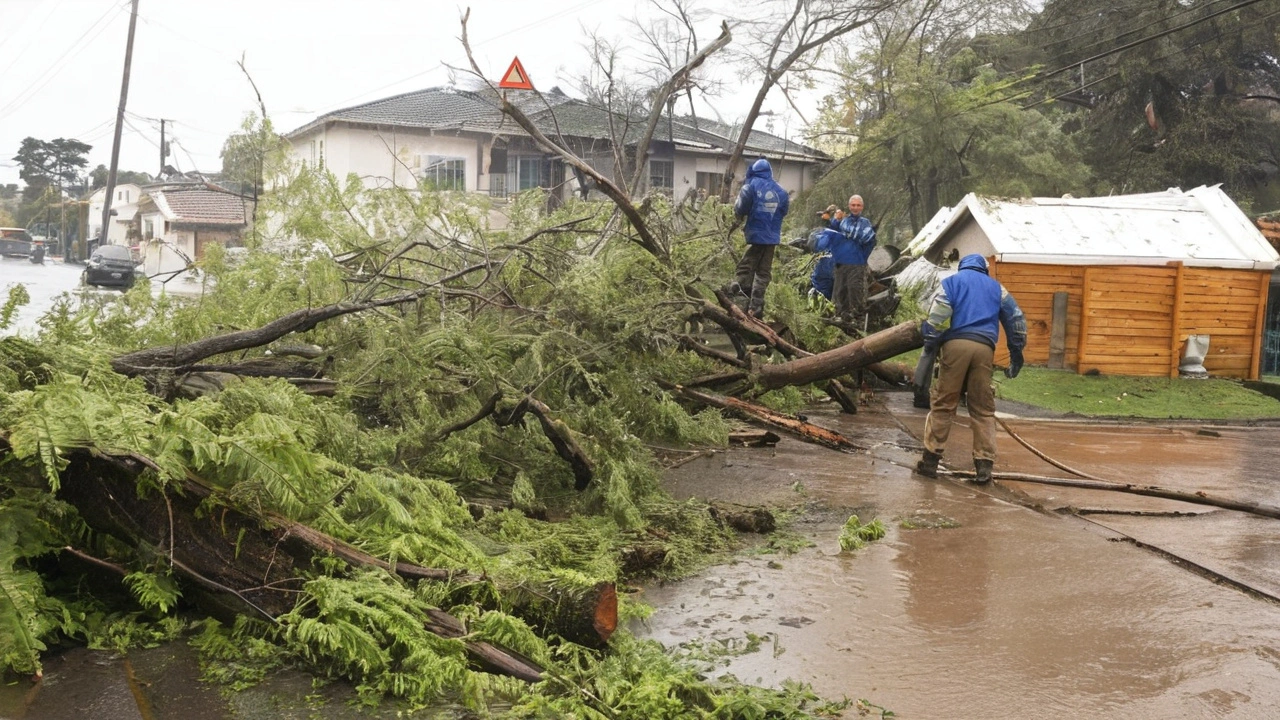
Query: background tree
[[924, 115], [782, 36], [250, 154], [50, 163], [98, 177], [1198, 105]]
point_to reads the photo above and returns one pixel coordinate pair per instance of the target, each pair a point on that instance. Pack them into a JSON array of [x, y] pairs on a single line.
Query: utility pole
[[115, 147], [164, 149]]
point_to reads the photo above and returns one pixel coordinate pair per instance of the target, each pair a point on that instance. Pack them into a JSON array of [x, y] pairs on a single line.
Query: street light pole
[[115, 147]]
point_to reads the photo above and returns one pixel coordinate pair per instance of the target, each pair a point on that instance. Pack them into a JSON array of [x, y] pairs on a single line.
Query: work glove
[[1015, 363], [932, 338], [800, 242]]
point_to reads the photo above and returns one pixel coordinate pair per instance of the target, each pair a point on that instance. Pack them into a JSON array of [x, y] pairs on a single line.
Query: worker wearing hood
[[762, 204], [963, 327]]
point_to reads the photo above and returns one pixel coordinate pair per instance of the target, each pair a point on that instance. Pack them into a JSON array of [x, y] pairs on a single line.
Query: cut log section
[[255, 564]]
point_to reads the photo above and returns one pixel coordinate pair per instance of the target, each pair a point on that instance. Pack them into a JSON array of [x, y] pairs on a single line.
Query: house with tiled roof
[[177, 222], [457, 139]]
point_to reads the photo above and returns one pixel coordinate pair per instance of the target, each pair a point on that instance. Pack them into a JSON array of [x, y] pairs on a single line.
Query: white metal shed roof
[[1200, 227]]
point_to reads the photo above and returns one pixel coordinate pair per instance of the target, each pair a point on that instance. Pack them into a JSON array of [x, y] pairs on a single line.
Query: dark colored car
[[110, 265], [15, 242]]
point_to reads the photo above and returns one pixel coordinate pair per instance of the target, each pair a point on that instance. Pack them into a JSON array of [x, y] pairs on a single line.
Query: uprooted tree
[[414, 446]]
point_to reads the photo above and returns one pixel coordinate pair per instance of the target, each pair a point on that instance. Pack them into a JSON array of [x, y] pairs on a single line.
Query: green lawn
[[1143, 397]]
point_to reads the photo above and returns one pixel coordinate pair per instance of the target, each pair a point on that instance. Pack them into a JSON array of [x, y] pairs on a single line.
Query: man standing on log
[[850, 257], [763, 203], [963, 326]]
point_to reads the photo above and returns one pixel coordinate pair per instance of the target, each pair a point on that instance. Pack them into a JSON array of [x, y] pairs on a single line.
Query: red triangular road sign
[[515, 78]]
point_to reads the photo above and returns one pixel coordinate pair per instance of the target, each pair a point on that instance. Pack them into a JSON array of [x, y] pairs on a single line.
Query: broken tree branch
[[485, 411], [647, 240], [782, 421], [1196, 498]]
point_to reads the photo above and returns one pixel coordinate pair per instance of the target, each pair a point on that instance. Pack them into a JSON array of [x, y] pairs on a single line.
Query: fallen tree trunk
[[782, 421], [842, 360], [257, 563]]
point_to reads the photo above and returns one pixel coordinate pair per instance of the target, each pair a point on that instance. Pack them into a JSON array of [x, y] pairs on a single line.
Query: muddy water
[[1012, 614]]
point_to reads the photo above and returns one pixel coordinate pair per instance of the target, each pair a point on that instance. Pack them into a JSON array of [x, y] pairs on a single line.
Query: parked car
[[15, 242], [110, 265]]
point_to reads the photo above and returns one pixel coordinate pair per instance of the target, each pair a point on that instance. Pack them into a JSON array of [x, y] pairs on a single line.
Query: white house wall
[[386, 156], [161, 254], [125, 208]]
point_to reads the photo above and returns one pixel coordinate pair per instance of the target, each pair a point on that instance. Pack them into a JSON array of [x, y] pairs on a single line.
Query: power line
[[1129, 32], [15, 31], [31, 37], [1165, 56], [19, 100], [1145, 40]]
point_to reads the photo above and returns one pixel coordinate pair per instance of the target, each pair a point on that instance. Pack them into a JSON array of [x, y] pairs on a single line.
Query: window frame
[[445, 173]]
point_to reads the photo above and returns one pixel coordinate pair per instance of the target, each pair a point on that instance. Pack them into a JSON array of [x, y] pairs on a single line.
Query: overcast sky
[[61, 63]]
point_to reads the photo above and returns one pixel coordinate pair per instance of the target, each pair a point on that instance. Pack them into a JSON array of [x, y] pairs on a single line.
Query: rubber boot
[[755, 306], [928, 465], [982, 471]]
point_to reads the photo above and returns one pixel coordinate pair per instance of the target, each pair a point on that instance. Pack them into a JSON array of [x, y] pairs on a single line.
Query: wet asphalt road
[[1019, 611]]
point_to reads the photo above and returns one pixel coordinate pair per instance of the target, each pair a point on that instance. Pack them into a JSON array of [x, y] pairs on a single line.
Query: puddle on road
[[1011, 614]]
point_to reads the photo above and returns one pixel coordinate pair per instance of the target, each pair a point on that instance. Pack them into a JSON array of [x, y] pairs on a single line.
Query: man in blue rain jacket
[[762, 203], [963, 326], [850, 258]]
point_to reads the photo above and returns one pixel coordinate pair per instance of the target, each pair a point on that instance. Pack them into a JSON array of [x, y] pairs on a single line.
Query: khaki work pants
[[963, 365]]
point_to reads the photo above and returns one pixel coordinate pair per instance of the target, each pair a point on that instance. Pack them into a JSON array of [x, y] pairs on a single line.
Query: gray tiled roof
[[480, 111]]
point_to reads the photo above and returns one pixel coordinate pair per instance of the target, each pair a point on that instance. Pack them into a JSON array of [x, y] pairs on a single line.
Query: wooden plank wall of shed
[[1223, 304], [1128, 320], [1130, 316], [1033, 287]]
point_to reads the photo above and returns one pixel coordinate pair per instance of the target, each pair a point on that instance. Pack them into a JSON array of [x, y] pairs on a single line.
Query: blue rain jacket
[[823, 277], [857, 241], [763, 203], [973, 306]]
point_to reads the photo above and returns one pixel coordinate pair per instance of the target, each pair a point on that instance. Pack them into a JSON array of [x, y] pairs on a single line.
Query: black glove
[[802, 243], [1015, 363]]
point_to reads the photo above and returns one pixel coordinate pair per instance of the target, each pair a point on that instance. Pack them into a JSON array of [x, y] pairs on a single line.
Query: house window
[[320, 159], [710, 181], [662, 175], [529, 172], [445, 173]]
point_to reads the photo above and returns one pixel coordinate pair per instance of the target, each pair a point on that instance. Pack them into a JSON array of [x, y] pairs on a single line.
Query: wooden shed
[[1117, 284]]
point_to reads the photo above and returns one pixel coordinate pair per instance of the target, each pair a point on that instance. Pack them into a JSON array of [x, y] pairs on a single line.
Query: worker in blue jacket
[[963, 326], [850, 258], [762, 203]]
